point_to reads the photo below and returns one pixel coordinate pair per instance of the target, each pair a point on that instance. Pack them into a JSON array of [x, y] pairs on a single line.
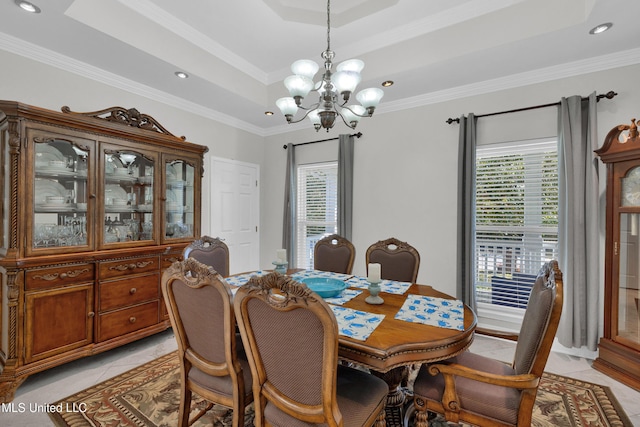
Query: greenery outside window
[[516, 221], [317, 208]]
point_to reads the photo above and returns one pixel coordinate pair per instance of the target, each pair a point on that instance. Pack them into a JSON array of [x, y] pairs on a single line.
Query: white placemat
[[241, 279], [346, 295], [355, 323], [388, 286], [444, 313]]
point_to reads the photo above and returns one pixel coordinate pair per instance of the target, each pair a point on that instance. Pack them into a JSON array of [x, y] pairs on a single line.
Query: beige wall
[[405, 163]]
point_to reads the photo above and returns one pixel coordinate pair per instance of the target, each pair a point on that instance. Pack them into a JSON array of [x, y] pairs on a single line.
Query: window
[[317, 208], [516, 219]]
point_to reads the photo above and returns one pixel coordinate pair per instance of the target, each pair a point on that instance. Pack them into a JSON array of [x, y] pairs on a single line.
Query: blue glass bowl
[[326, 287]]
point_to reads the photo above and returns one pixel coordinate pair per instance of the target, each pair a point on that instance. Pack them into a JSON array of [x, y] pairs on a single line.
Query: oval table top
[[396, 342]]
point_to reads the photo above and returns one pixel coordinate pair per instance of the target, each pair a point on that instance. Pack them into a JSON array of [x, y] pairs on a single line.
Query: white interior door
[[235, 211]]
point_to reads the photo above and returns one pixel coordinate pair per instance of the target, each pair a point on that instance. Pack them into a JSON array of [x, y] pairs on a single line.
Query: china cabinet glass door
[[60, 194], [627, 249], [128, 196], [179, 204]]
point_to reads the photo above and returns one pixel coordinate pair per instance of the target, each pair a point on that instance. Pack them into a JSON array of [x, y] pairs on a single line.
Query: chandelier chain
[[328, 25]]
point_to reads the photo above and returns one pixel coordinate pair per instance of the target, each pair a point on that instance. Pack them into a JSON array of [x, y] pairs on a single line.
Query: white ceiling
[[238, 52]]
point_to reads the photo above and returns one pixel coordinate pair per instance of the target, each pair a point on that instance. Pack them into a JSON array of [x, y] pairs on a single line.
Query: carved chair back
[[199, 304], [398, 260], [334, 253], [211, 251]]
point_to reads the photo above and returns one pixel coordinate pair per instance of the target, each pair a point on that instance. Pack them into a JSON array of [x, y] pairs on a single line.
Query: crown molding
[[556, 72], [570, 69]]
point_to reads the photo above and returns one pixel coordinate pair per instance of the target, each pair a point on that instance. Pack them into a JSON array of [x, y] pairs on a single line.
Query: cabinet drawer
[[120, 293], [121, 322], [126, 267], [50, 277]]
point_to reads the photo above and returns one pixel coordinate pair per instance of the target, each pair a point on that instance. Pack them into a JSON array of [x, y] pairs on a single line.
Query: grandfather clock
[[619, 348]]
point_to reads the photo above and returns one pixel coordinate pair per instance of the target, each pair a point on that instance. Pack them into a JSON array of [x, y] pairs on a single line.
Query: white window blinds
[[317, 208], [516, 218]]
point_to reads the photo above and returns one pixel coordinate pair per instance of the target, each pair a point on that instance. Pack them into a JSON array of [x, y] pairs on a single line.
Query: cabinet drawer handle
[[91, 314], [132, 266], [132, 319], [132, 291], [63, 275]]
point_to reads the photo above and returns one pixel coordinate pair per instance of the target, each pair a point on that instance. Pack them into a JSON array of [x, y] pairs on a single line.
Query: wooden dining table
[[395, 344]]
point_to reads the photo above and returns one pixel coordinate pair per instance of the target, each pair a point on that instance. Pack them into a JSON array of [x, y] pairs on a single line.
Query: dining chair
[[212, 364], [291, 338], [211, 251], [398, 260], [334, 253], [487, 392]]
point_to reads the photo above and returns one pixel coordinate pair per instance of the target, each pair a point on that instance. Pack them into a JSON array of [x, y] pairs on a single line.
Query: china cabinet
[[94, 207], [619, 348]]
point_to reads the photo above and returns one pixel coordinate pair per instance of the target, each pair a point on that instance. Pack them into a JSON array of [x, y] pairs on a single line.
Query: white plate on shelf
[[55, 207], [114, 191], [45, 153], [47, 187]]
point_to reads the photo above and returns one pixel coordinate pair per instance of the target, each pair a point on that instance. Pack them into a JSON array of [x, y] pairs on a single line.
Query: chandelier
[[333, 91]]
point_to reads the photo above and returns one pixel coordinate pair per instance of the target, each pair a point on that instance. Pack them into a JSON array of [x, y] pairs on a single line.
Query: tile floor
[[62, 381]]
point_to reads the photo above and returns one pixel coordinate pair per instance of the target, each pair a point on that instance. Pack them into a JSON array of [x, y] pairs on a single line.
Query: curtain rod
[[608, 95], [357, 135]]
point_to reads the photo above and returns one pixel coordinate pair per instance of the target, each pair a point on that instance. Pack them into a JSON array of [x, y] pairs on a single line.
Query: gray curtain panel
[[578, 238], [289, 216], [466, 210], [345, 186]]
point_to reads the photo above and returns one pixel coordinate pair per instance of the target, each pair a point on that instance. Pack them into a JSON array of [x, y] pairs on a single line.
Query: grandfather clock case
[[619, 348]]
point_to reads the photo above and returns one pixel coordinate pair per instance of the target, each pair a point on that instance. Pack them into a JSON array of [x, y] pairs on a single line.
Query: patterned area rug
[[148, 396]]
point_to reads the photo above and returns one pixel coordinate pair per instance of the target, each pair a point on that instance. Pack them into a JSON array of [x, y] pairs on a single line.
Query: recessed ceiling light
[[29, 7], [387, 83], [601, 28], [268, 113], [182, 74]]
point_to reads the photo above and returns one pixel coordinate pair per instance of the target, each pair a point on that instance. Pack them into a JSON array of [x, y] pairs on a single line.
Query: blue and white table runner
[[388, 286]]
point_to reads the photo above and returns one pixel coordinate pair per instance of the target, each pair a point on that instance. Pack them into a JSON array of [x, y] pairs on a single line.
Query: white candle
[[281, 255], [374, 273]]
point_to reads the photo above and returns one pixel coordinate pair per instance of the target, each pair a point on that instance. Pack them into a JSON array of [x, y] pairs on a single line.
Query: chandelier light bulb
[[287, 106], [370, 98], [354, 65], [345, 81], [305, 67], [352, 114], [298, 86]]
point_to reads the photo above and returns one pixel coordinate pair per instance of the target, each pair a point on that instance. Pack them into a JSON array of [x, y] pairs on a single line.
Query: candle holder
[[374, 290], [281, 266]]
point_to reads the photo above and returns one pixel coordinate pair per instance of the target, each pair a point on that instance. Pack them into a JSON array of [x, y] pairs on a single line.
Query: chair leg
[[185, 406], [422, 419], [238, 414], [381, 421]]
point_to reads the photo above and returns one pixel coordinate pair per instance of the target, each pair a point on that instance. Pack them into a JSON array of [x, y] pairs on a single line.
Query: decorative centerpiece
[[374, 284], [281, 261]]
